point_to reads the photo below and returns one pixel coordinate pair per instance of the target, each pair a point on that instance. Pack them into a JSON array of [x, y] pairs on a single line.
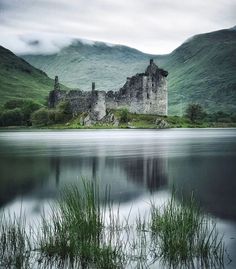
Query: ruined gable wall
[[154, 95], [142, 94], [92, 102], [80, 101], [134, 93], [129, 96]]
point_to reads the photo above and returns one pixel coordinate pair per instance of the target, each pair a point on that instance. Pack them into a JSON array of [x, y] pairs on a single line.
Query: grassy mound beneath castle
[[28, 113], [126, 120]]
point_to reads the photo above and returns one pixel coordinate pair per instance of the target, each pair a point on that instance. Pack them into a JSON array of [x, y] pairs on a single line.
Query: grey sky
[[154, 26]]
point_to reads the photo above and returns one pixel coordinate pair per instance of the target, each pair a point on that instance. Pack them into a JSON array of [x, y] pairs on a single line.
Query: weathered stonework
[[98, 104], [144, 93], [56, 95]]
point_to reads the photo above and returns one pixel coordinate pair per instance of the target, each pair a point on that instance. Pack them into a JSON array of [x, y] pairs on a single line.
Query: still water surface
[[137, 164]]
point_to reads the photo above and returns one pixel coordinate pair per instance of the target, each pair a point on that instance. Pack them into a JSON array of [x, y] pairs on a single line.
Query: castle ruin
[[143, 93]]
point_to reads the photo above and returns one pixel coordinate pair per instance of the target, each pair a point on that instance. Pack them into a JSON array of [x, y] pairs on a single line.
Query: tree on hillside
[[195, 112]]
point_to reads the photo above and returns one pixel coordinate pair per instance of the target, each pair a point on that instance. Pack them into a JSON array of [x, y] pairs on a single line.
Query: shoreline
[[18, 128]]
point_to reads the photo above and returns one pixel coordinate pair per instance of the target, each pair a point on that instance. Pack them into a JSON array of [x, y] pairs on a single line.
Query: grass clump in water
[[77, 231], [81, 232], [185, 236], [15, 245]]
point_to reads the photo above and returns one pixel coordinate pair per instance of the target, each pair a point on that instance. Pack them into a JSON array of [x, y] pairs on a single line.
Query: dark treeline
[[26, 112]]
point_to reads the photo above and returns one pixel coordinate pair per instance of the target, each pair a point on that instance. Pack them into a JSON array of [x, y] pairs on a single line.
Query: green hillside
[[79, 64], [201, 70], [18, 79]]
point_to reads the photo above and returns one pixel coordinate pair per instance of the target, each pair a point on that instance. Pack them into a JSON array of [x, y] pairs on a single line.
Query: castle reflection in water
[[146, 173]]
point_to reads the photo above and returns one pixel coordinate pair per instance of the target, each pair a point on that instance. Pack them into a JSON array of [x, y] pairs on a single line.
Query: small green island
[[141, 103]]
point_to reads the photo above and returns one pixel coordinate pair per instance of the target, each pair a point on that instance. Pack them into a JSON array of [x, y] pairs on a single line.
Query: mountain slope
[[19, 79], [201, 70], [79, 64]]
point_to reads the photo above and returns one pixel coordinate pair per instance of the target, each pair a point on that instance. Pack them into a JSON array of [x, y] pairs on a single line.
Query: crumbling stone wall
[[80, 101], [144, 93], [98, 105], [56, 95]]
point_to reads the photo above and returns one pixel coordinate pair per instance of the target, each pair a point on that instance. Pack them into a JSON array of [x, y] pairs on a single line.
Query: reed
[[83, 232], [182, 235], [77, 232], [15, 244]]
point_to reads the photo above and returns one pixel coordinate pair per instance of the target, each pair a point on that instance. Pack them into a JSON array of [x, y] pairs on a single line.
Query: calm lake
[[137, 164]]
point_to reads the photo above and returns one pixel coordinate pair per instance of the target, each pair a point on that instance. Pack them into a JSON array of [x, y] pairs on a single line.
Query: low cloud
[[37, 43], [154, 26]]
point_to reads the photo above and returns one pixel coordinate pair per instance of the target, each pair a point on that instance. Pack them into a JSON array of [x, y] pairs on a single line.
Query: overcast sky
[[153, 26]]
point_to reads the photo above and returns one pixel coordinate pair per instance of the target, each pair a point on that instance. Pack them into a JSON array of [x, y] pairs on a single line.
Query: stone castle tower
[[143, 93], [56, 95]]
